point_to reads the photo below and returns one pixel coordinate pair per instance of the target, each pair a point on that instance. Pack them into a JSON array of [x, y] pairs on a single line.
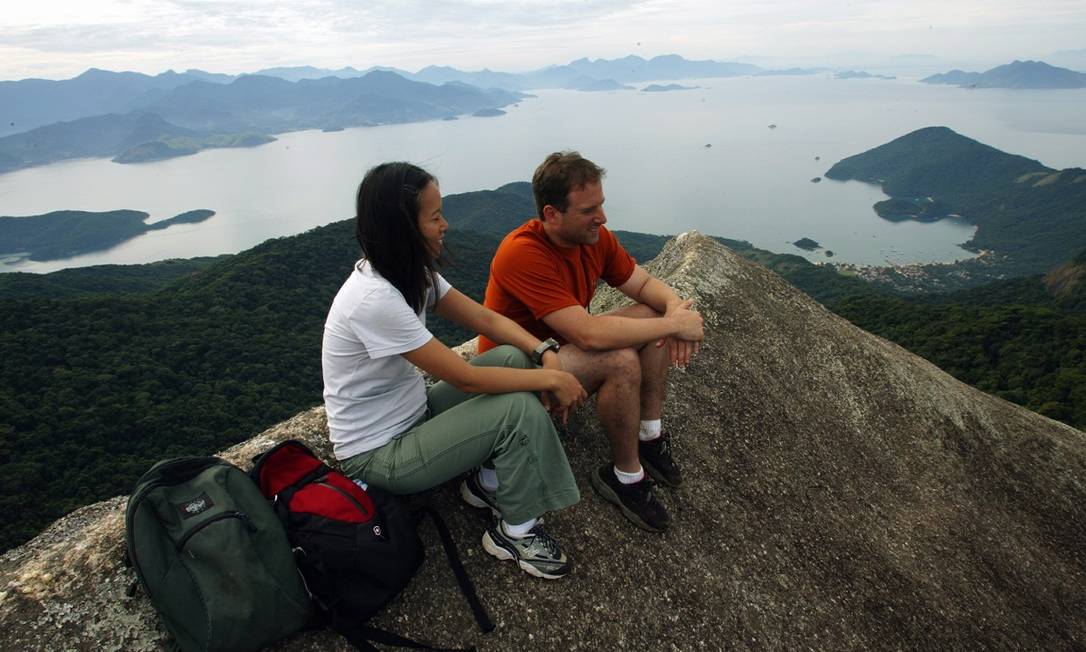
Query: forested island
[[859, 74], [1017, 74], [63, 234], [663, 88], [108, 369]]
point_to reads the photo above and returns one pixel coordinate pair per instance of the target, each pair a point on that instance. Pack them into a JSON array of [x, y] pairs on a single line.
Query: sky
[[57, 39]]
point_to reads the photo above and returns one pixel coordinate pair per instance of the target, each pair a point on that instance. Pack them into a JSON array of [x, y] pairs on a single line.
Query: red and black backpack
[[356, 547]]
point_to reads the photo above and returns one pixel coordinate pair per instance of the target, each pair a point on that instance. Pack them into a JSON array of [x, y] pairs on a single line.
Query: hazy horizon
[[59, 39]]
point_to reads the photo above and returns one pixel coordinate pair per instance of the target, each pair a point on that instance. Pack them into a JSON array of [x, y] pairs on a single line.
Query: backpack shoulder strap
[[363, 637], [482, 618]]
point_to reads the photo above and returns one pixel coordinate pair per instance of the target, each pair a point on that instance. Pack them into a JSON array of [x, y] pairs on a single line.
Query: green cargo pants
[[461, 431]]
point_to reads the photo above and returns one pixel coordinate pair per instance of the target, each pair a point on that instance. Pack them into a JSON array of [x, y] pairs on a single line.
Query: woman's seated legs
[[513, 430]]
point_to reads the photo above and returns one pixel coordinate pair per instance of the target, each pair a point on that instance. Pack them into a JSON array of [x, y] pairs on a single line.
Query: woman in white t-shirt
[[390, 430]]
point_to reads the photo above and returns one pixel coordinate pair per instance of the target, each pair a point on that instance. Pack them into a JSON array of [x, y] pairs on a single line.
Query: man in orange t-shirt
[[543, 277]]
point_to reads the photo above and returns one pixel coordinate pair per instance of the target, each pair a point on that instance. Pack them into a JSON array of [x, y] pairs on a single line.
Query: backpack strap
[[362, 637], [482, 618]]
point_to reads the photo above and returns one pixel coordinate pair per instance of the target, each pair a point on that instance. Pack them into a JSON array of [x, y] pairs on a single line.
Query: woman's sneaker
[[537, 553], [636, 501], [473, 494]]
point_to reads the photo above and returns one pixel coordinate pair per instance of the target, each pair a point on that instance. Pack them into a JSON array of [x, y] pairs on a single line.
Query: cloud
[[244, 35]]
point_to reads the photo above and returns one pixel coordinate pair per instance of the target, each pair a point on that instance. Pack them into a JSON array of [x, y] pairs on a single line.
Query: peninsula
[[1028, 216], [63, 234]]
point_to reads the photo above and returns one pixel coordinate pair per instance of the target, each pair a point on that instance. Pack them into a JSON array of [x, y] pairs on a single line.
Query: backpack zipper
[[214, 519], [360, 506], [154, 484]]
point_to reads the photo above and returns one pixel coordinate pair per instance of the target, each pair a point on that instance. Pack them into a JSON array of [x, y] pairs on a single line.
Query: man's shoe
[[636, 500], [537, 553], [473, 494], [656, 458]]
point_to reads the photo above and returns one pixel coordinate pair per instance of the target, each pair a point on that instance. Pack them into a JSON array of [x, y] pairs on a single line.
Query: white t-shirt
[[371, 392]]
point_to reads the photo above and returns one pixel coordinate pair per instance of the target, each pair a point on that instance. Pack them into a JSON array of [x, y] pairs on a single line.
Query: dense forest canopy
[[107, 370]]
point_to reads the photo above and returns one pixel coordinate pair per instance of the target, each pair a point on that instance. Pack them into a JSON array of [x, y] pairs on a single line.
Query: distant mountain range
[[581, 74], [133, 117], [31, 103], [202, 113], [1017, 74]]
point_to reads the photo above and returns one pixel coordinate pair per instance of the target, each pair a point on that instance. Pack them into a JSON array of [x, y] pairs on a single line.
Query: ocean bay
[[703, 158]]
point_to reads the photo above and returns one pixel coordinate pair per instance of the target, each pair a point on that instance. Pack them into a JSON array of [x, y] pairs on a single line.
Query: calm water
[[753, 183]]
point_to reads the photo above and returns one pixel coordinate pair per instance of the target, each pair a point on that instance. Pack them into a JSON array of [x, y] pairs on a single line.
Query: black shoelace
[[547, 541]]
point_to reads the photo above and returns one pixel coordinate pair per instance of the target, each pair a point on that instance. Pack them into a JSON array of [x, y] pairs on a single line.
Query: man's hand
[[687, 342]]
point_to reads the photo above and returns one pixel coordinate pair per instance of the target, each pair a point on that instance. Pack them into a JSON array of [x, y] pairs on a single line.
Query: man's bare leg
[[617, 380], [615, 377], [623, 378], [655, 362]]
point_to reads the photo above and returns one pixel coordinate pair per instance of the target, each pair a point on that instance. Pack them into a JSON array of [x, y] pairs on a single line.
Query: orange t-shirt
[[530, 277]]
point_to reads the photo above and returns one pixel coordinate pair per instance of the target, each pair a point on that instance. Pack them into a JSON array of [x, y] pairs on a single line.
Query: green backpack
[[213, 557]]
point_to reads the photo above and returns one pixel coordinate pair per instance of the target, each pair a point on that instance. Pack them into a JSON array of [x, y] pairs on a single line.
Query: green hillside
[[95, 387], [107, 370], [102, 279]]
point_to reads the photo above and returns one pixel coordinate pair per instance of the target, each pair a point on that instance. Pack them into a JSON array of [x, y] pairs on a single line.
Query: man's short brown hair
[[558, 175]]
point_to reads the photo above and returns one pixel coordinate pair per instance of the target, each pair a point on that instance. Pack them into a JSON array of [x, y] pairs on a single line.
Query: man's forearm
[[615, 332]]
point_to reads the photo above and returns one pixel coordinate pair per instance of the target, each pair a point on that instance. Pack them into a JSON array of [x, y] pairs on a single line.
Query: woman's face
[[432, 224]]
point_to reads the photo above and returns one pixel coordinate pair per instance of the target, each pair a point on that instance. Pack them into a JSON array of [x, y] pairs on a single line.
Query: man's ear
[[550, 214]]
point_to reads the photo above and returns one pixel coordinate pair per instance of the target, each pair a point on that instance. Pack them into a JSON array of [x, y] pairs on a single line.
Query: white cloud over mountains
[[55, 38]]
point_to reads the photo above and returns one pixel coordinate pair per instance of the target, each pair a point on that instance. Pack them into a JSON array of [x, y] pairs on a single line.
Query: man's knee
[[620, 364]]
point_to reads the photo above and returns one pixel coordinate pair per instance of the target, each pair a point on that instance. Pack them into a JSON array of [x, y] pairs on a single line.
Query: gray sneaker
[[473, 494], [537, 553]]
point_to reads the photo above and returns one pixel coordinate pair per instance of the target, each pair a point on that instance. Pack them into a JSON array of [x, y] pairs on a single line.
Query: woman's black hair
[[387, 228]]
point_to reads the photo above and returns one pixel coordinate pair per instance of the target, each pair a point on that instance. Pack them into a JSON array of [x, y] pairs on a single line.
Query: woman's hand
[[565, 395]]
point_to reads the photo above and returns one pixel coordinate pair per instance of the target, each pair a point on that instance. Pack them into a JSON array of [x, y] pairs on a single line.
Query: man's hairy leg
[[655, 362], [615, 378]]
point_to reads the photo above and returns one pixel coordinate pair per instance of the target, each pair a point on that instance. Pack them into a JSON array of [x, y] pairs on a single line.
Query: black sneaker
[[473, 494], [656, 458], [537, 553], [636, 500]]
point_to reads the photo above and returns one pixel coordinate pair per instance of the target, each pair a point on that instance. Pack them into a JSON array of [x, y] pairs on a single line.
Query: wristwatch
[[549, 344]]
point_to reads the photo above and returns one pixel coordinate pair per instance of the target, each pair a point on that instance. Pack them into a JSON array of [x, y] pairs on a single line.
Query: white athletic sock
[[520, 530], [649, 430], [488, 479], [630, 478]]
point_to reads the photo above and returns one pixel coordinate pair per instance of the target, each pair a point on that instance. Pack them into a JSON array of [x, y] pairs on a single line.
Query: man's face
[[580, 223]]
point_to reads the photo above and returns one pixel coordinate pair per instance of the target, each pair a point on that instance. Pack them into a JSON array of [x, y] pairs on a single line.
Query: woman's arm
[[467, 312], [441, 362], [462, 309]]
